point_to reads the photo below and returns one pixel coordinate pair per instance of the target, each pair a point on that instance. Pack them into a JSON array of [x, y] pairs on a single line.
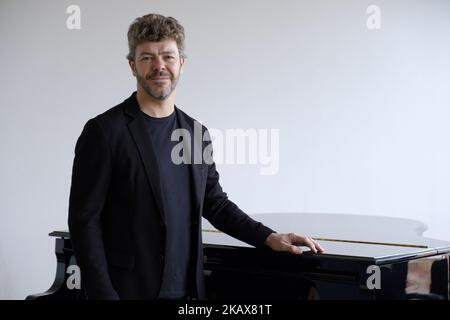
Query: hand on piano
[[290, 242]]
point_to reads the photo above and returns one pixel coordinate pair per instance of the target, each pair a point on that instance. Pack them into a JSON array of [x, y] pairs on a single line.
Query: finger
[[303, 241], [318, 246], [297, 239], [310, 244], [307, 241], [287, 246]]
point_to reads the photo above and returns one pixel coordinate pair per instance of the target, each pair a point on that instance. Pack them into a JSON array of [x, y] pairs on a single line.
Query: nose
[[158, 65]]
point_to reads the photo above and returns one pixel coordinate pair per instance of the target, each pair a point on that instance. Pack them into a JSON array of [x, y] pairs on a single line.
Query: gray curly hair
[[154, 27]]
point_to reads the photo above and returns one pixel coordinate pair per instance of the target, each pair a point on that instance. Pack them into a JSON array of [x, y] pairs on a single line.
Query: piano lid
[[374, 238]]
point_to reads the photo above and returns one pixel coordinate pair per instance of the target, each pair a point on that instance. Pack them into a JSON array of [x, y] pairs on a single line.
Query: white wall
[[363, 114]]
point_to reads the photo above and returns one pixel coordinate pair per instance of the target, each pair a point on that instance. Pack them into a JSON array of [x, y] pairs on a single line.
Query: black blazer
[[116, 209]]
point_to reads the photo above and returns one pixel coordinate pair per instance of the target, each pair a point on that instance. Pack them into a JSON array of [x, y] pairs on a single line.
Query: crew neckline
[[159, 118]]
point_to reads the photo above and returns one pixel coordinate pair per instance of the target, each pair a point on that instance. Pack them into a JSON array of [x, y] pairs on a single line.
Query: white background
[[363, 114]]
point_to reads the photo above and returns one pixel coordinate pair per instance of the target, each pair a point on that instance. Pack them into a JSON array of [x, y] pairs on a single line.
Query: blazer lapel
[[197, 169], [147, 153]]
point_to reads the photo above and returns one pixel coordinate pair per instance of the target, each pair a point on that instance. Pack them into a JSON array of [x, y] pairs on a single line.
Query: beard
[[158, 93]]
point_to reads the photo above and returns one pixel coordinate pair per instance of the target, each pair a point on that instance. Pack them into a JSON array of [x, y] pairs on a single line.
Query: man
[[134, 213]]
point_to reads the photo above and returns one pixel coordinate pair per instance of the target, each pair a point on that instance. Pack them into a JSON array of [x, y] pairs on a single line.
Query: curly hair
[[154, 27]]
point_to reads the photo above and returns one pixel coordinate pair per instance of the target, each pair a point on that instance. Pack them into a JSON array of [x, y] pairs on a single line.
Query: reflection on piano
[[366, 258]]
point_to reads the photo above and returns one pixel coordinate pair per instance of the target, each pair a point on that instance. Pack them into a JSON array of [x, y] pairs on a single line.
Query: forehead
[[157, 47]]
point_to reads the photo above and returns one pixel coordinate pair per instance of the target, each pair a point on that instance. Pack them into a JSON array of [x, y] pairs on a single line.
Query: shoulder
[[114, 115], [113, 119]]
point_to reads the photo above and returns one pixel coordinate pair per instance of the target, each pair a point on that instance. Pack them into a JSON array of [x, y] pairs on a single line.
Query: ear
[[182, 62], [132, 66]]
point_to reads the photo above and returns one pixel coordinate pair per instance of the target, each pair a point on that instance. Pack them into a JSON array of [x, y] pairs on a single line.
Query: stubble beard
[[157, 94]]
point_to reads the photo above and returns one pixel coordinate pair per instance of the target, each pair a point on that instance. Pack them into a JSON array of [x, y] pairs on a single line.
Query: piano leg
[[63, 287]]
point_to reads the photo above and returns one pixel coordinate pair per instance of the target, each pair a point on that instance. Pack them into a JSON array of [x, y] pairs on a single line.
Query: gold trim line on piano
[[354, 241]]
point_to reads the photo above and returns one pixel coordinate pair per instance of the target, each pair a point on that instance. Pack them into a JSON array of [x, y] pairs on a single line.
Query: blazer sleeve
[[91, 175], [226, 216]]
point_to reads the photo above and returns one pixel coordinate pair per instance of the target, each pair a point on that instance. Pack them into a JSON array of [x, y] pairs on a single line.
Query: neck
[[154, 107]]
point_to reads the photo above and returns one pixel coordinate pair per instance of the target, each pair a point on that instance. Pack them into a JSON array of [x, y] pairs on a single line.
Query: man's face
[[157, 67]]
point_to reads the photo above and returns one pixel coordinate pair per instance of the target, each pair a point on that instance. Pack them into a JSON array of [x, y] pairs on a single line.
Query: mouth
[[159, 78]]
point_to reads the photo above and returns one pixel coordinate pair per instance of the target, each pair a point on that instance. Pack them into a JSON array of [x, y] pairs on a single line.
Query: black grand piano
[[366, 258]]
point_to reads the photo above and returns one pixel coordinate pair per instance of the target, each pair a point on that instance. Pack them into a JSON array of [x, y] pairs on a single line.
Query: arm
[[90, 180]]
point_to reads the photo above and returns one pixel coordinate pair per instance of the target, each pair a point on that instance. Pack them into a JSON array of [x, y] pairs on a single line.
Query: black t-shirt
[[176, 190]]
